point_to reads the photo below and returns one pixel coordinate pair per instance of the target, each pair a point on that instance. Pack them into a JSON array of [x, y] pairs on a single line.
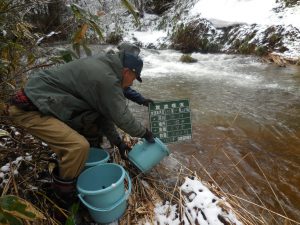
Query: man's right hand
[[149, 136], [122, 149]]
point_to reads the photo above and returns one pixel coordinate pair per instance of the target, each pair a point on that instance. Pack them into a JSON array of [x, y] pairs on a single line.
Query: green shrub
[[193, 38], [274, 39], [247, 48], [282, 49], [158, 6], [114, 38], [236, 44], [261, 50], [290, 2], [209, 47], [186, 39]]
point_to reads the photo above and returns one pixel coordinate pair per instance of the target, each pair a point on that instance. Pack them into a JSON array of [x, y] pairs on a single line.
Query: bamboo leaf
[[77, 10], [96, 28], [4, 133], [67, 57], [7, 219], [19, 208], [76, 48], [71, 219], [2, 217], [87, 50], [79, 35], [132, 10], [31, 59]]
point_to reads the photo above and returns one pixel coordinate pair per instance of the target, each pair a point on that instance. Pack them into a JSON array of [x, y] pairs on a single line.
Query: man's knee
[[84, 146]]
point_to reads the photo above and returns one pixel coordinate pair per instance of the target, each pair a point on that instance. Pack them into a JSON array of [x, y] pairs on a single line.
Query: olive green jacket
[[83, 92]]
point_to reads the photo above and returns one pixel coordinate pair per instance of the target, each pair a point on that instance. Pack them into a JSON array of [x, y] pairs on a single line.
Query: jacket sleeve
[[133, 95], [112, 104], [109, 130]]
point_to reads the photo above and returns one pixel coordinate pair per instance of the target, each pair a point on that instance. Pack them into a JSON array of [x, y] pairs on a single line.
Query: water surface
[[246, 122]]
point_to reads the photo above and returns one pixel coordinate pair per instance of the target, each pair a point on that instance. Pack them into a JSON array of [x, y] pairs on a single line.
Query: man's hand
[[147, 102], [122, 149], [149, 136]]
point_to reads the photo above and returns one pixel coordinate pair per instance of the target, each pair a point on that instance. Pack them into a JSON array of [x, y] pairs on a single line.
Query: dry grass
[[161, 185]]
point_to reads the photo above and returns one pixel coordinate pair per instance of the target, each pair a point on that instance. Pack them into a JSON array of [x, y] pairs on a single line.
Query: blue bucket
[[101, 189], [102, 185], [108, 215], [96, 156], [146, 155]]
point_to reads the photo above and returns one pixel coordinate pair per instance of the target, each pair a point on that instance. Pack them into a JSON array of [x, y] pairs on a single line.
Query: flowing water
[[245, 119]]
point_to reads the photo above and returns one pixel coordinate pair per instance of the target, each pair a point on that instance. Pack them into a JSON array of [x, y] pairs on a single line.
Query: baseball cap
[[135, 63], [129, 48]]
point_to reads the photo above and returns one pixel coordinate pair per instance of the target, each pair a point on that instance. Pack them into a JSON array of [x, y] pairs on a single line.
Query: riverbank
[[280, 60], [24, 174]]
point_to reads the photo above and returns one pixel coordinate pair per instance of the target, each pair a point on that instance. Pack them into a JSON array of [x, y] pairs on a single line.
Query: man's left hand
[[147, 102]]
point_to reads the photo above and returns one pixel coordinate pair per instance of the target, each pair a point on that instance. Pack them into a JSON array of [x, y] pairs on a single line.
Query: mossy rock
[[187, 58]]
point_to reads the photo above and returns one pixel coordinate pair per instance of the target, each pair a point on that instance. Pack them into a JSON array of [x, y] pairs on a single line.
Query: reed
[[162, 186]]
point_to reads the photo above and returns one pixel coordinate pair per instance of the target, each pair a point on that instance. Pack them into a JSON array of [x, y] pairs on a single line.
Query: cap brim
[[139, 79]]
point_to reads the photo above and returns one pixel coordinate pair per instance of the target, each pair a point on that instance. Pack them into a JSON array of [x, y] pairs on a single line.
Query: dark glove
[[147, 102], [122, 149], [149, 136]]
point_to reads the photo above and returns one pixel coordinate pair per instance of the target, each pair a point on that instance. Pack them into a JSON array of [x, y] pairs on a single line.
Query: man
[[58, 105], [130, 93], [93, 134]]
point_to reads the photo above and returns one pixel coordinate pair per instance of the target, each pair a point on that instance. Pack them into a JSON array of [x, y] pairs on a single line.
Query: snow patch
[[201, 205]]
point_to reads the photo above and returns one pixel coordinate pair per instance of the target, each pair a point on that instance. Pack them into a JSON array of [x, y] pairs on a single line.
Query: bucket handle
[[119, 202]]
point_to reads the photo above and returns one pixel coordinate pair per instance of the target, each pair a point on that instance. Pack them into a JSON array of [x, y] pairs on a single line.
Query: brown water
[[246, 123]]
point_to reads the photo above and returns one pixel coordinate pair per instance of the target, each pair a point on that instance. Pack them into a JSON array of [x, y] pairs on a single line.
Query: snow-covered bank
[[249, 12], [231, 25], [201, 207]]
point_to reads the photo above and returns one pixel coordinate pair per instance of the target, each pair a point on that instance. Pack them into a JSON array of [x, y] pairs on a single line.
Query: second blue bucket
[[147, 155], [101, 189], [102, 185], [96, 156]]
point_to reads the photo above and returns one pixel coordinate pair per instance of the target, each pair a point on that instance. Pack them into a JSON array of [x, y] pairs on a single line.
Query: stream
[[245, 122]]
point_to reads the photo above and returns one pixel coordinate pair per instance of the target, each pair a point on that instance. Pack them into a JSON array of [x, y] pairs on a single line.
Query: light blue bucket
[[108, 215], [96, 156], [146, 155], [102, 185], [101, 189]]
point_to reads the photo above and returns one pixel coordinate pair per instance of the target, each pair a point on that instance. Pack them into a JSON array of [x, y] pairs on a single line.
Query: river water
[[245, 120]]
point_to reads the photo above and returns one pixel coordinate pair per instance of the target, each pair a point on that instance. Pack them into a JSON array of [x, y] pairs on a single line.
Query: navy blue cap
[[135, 63]]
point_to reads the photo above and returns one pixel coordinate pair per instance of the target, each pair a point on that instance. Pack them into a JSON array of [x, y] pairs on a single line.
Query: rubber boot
[[63, 190]]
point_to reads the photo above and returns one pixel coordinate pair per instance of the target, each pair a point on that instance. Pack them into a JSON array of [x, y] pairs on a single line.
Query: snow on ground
[[12, 168], [228, 12], [148, 37], [201, 205], [249, 12]]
